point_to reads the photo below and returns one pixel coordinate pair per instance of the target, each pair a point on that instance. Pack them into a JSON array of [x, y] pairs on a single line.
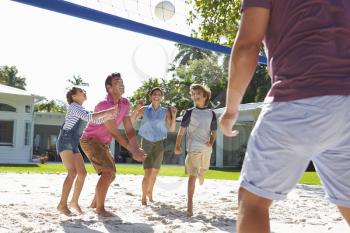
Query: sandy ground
[[28, 204]]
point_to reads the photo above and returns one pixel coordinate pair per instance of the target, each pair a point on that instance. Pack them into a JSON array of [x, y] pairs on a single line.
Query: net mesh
[[169, 15]]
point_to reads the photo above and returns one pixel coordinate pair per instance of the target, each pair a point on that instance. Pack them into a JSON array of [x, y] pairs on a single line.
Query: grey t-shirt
[[308, 47], [199, 123]]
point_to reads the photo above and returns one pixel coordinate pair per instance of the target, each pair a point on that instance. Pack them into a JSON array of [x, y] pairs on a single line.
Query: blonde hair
[[206, 91]]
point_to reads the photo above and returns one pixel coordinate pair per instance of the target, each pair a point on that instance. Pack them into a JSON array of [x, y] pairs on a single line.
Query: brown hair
[[155, 89], [109, 79], [206, 91], [71, 92]]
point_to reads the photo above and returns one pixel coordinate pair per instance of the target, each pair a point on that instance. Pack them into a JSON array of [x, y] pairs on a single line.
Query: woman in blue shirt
[[155, 124]]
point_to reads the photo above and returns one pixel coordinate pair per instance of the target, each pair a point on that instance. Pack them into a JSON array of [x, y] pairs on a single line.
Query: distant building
[[25, 135], [16, 125]]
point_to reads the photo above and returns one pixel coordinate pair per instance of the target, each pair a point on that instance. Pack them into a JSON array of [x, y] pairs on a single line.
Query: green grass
[[222, 174]]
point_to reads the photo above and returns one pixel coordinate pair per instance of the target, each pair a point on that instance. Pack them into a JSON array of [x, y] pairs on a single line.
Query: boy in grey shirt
[[201, 125]]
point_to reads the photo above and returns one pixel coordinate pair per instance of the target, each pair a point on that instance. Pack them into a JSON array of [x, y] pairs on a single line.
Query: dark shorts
[[67, 141], [99, 154], [155, 153]]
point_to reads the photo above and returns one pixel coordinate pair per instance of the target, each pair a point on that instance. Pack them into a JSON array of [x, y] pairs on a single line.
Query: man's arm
[[131, 143], [243, 61], [132, 146]]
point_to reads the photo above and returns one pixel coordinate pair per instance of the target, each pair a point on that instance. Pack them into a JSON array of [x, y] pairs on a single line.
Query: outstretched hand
[[227, 121], [111, 113], [139, 155], [177, 150]]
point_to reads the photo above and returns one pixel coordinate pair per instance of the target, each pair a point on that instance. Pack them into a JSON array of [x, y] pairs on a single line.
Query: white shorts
[[288, 135]]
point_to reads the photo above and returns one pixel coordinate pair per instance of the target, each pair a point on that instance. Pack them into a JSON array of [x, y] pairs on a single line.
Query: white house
[[229, 151], [16, 125]]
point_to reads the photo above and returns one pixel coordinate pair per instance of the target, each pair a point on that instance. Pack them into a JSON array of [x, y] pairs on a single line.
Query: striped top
[[74, 113]]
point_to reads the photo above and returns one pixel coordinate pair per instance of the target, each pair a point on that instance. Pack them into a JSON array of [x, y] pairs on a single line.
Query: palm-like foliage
[[51, 106], [9, 76], [77, 81], [188, 53]]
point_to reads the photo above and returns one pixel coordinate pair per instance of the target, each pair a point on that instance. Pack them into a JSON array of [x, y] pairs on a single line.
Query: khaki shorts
[[155, 153], [99, 154], [197, 162]]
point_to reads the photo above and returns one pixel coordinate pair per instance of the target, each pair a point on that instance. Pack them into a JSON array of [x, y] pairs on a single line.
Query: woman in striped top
[[68, 142]]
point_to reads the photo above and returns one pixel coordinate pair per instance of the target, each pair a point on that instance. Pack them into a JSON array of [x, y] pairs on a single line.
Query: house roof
[[13, 91], [242, 107]]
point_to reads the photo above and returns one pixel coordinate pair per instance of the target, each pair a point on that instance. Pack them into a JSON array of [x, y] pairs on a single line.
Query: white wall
[[18, 153]]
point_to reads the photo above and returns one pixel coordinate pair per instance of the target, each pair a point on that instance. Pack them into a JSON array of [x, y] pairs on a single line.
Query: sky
[[48, 48]]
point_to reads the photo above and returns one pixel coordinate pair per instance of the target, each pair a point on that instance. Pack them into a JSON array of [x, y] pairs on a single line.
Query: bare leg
[[346, 213], [151, 185], [68, 161], [93, 203], [201, 176], [107, 176], [253, 213], [79, 182], [145, 185], [190, 192]]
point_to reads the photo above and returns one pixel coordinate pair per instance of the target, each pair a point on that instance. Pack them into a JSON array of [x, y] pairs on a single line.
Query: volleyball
[[164, 10]]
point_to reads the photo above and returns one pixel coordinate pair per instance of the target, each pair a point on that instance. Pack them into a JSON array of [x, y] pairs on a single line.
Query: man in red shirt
[[96, 137]]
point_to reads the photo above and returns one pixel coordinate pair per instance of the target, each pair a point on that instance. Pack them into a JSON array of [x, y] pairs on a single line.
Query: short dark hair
[[71, 92], [155, 89], [206, 91], [109, 79]]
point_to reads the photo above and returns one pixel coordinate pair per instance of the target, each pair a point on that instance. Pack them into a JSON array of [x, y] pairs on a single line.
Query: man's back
[[308, 47]]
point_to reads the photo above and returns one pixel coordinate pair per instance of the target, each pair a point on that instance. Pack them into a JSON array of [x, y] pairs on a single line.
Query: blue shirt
[[153, 125]]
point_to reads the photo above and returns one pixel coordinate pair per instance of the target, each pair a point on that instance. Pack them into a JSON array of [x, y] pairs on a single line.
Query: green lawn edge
[[310, 178]]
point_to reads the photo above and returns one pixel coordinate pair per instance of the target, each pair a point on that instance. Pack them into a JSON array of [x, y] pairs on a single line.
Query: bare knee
[[248, 199], [71, 175], [81, 175], [108, 174]]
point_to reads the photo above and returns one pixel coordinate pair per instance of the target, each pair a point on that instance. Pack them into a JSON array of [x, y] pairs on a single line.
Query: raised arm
[[171, 119], [244, 58]]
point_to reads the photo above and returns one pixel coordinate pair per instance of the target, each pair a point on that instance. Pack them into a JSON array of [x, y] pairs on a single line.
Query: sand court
[[28, 204]]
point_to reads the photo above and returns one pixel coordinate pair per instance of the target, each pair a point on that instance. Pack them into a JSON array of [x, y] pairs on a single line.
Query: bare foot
[[104, 213], [63, 209], [144, 201], [76, 207], [150, 198], [189, 209]]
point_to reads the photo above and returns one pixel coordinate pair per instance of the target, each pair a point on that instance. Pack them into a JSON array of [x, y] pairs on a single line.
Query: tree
[[176, 89], [50, 106], [220, 19], [188, 53], [9, 76], [142, 92], [77, 81]]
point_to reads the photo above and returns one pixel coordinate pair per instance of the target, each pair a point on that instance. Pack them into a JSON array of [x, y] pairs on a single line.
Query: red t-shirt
[[100, 132], [308, 47]]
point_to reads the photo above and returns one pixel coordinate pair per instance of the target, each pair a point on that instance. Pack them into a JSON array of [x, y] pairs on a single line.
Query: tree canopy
[[9, 76]]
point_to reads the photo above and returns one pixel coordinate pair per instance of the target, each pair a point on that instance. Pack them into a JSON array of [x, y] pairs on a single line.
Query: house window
[[7, 108], [27, 134], [6, 133], [27, 109]]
